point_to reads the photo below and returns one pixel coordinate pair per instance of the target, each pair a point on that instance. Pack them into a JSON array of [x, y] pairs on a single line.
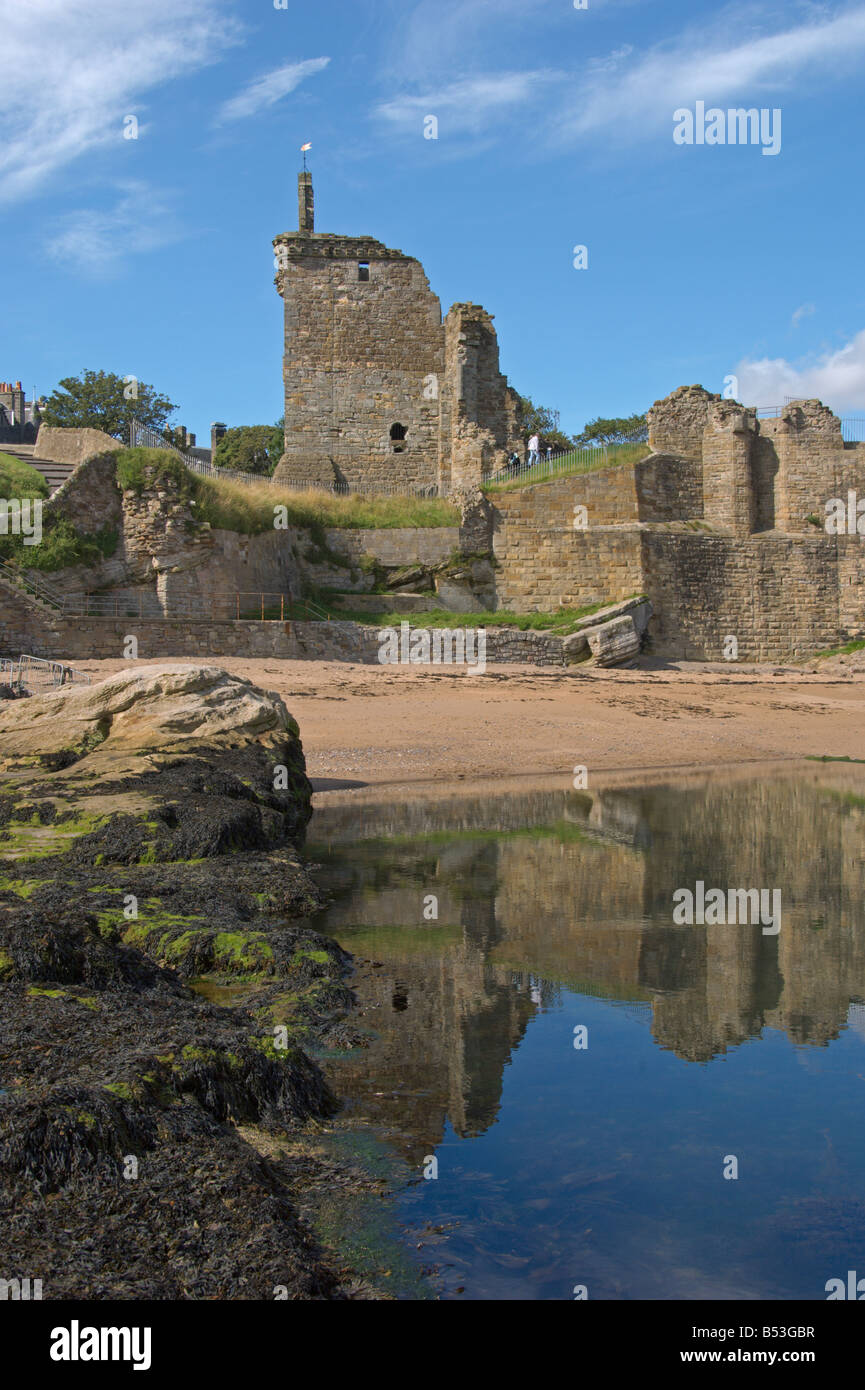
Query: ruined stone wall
[[743, 474], [781, 596], [400, 545], [33, 629], [677, 423], [58, 445], [361, 356], [668, 488], [810, 458], [479, 422], [538, 573], [728, 489], [778, 595], [544, 562]]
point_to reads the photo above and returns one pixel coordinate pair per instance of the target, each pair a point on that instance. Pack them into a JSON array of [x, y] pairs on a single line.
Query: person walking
[[534, 451]]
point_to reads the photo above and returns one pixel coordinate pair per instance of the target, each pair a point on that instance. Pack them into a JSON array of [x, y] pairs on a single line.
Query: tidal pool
[[489, 930]]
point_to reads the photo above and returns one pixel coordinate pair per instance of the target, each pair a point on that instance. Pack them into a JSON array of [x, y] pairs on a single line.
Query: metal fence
[[250, 606], [852, 426], [568, 461], [36, 587], [34, 671], [254, 606]]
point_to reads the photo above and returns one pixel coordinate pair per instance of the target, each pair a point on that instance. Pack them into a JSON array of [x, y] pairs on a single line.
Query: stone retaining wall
[[30, 628]]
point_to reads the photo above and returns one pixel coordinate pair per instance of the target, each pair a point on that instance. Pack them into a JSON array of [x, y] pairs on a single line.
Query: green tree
[[251, 448], [104, 401], [630, 429], [539, 420]]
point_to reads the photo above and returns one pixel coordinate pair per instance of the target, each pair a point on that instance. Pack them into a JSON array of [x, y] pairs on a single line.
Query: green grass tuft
[[846, 650], [19, 479], [560, 624]]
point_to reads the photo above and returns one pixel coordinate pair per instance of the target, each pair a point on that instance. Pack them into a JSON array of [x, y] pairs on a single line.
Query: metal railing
[[852, 426], [29, 671], [585, 460], [248, 606], [252, 606], [36, 588]]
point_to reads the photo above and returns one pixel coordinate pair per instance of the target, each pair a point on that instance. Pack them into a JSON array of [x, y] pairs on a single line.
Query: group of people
[[515, 463]]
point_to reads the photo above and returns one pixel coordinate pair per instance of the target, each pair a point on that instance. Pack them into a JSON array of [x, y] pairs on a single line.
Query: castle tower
[[367, 366]]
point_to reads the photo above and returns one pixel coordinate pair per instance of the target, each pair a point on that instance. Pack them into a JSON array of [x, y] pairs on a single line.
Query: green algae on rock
[[160, 854]]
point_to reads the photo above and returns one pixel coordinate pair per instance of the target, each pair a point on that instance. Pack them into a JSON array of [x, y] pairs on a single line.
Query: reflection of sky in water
[[604, 1167]]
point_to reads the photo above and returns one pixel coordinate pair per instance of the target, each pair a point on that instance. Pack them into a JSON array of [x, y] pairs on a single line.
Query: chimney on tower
[[305, 202]]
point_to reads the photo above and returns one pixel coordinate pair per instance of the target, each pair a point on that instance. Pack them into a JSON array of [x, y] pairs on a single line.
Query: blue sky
[[152, 256]]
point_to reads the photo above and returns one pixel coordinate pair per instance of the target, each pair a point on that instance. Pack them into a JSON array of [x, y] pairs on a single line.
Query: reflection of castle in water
[[576, 890]]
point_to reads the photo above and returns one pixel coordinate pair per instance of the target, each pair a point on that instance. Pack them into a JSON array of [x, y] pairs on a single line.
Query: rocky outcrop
[[164, 763], [148, 842], [611, 635], [167, 708], [615, 642]]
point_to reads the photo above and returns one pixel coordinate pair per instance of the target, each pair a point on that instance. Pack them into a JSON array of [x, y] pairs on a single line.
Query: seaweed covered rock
[[119, 1115], [156, 765], [157, 991]]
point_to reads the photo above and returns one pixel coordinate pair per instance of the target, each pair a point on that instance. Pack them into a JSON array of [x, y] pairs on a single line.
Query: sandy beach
[[407, 727]]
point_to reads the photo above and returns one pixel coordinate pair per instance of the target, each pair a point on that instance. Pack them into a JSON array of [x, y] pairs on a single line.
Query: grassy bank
[[249, 508], [581, 461], [62, 544], [561, 623], [19, 479]]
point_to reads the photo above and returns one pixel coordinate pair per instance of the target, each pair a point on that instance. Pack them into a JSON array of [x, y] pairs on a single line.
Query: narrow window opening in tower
[[363, 270], [398, 433]]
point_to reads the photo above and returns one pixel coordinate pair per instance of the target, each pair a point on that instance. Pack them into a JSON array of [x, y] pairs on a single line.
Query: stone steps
[[55, 474]]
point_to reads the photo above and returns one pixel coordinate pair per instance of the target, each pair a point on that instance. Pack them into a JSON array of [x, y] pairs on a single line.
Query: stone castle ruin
[[744, 474], [715, 541], [378, 387]]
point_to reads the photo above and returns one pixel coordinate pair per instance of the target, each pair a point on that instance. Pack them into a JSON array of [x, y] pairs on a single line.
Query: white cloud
[[836, 377], [72, 69], [96, 242], [803, 312], [470, 104], [438, 34], [639, 97], [625, 94], [272, 87]]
